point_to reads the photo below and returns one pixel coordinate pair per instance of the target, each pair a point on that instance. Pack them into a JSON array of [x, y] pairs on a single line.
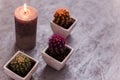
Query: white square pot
[[16, 76], [55, 63], [62, 31]]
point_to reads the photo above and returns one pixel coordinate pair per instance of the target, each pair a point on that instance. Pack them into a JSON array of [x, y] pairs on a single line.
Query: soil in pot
[[19, 73], [59, 57]]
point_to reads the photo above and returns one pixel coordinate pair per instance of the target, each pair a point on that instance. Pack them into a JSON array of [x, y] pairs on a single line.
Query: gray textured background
[[96, 38]]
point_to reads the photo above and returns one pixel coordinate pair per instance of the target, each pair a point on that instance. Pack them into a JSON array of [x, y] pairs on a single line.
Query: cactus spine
[[21, 65], [62, 18]]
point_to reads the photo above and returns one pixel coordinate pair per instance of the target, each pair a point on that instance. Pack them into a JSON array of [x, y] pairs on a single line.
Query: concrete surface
[[96, 38]]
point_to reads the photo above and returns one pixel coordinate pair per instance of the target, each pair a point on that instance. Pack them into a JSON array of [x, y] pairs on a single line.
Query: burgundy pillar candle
[[25, 27]]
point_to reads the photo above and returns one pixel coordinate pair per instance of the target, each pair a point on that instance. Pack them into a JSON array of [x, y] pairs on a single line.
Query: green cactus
[[21, 65], [62, 18]]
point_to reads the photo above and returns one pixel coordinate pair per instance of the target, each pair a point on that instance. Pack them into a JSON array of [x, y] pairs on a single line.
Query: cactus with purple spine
[[57, 46]]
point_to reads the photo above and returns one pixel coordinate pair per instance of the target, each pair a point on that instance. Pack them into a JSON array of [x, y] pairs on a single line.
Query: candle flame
[[25, 7]]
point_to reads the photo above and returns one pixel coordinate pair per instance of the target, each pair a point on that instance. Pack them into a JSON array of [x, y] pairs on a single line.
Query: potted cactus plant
[[21, 66], [62, 23], [57, 53]]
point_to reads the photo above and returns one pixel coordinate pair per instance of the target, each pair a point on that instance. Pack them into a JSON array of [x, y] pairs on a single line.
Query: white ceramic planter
[[16, 76], [53, 62], [62, 31]]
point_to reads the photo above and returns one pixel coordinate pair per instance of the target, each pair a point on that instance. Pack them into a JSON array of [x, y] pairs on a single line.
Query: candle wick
[[24, 12]]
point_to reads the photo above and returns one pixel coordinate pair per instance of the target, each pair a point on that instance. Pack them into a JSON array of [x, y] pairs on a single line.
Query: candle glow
[[25, 7]]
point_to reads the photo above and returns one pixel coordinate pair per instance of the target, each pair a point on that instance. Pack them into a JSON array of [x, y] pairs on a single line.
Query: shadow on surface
[[69, 39], [49, 73]]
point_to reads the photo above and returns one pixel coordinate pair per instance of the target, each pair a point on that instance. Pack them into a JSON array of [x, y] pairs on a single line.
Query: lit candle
[[25, 27]]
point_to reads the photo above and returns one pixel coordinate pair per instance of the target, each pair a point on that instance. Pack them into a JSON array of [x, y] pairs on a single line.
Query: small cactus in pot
[[57, 52], [62, 22], [21, 65]]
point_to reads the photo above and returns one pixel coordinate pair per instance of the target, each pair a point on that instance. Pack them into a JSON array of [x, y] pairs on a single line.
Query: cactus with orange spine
[[62, 18]]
